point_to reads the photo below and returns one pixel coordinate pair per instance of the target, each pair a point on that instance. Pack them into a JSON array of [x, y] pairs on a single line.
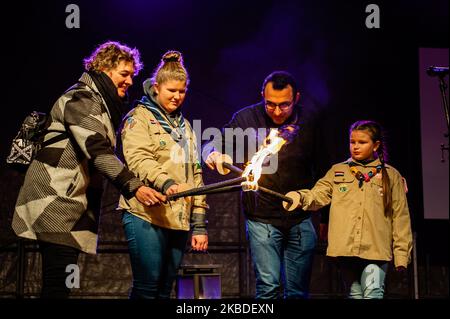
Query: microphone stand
[[443, 87]]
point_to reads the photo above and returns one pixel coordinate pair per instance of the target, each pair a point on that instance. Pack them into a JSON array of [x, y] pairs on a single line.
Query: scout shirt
[[358, 225], [155, 157]]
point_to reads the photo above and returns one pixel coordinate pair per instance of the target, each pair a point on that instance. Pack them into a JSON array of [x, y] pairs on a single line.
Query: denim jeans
[[282, 257], [155, 255], [363, 279]]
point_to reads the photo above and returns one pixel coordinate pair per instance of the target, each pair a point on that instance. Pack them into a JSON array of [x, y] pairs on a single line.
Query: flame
[[271, 145]]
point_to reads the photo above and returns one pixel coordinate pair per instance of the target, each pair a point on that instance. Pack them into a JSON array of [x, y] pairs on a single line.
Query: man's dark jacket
[[297, 163]]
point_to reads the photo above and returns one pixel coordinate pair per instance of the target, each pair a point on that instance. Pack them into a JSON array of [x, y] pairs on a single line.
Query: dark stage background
[[345, 71]]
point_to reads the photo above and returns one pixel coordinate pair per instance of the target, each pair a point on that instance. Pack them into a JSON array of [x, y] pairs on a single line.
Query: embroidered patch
[[130, 122], [343, 188], [162, 144], [338, 173]]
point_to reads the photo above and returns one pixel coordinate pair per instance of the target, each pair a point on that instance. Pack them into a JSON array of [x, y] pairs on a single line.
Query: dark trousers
[[55, 259]]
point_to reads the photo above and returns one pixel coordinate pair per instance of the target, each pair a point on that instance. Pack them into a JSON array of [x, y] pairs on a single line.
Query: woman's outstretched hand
[[149, 197]]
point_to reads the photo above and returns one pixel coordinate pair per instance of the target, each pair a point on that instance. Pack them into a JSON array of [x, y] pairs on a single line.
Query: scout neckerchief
[[175, 126], [364, 177]]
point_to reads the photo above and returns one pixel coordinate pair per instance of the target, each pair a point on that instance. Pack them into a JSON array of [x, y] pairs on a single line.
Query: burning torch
[[248, 180]]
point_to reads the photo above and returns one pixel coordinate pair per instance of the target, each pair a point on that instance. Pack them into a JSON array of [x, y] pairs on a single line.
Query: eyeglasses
[[284, 106]]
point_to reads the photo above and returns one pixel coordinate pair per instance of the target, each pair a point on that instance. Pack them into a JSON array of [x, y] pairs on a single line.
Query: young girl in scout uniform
[[369, 216]]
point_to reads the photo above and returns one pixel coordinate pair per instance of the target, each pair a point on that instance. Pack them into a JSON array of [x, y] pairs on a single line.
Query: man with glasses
[[282, 244]]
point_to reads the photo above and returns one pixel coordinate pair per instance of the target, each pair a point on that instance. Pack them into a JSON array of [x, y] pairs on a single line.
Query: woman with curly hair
[[59, 202]]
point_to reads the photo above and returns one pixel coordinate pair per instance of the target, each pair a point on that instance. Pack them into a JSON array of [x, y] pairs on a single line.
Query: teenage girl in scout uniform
[[369, 216], [159, 146]]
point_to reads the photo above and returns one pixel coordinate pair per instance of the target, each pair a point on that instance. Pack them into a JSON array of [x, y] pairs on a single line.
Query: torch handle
[[260, 188], [202, 190], [225, 189], [275, 194], [232, 168]]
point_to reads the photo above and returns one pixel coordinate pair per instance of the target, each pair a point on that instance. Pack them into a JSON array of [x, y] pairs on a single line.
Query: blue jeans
[[282, 256], [155, 255], [363, 279]]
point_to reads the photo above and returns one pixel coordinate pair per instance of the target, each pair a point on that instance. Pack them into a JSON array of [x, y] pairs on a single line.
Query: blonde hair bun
[[170, 68], [172, 56]]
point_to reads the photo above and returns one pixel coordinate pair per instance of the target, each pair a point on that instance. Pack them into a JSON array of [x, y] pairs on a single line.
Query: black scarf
[[116, 106]]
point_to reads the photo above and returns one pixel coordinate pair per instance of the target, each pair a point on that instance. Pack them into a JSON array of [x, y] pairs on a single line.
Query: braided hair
[[376, 133]]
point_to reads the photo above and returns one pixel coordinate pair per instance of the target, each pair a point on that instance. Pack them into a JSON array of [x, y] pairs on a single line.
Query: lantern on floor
[[199, 282]]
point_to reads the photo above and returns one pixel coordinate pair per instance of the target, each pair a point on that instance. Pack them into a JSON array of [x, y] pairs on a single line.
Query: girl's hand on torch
[[179, 188], [172, 189], [296, 202]]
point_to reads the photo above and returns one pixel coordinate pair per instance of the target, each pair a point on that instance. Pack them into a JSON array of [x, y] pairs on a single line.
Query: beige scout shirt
[[154, 156], [358, 225]]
